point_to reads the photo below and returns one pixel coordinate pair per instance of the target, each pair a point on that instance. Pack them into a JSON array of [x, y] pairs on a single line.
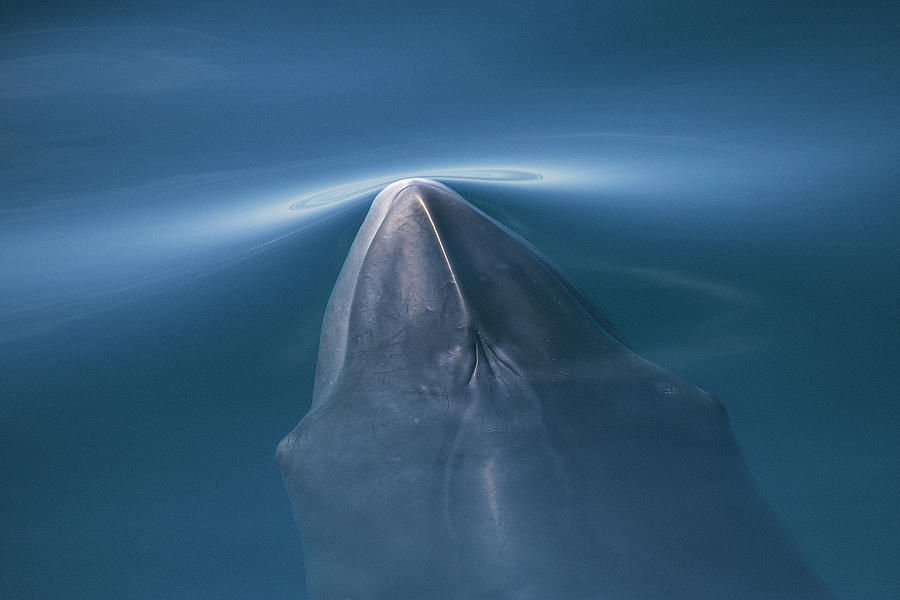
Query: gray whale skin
[[477, 433]]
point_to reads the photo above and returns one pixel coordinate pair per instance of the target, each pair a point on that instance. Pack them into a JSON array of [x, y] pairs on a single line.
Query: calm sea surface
[[178, 191]]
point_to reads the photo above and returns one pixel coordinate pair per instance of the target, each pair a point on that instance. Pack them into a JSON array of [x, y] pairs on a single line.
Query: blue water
[[180, 186]]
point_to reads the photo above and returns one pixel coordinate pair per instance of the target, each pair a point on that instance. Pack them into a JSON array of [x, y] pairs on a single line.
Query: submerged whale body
[[477, 433]]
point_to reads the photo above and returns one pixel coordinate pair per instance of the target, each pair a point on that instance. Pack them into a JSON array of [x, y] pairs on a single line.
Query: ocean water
[[180, 187]]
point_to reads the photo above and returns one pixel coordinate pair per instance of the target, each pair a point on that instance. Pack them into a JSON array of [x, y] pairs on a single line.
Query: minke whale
[[476, 432]]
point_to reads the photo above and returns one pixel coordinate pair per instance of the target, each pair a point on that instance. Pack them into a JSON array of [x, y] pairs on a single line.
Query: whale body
[[476, 432]]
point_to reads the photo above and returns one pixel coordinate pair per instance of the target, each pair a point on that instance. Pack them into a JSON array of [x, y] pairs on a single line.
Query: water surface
[[179, 189]]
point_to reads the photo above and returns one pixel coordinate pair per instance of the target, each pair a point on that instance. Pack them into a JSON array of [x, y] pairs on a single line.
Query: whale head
[[477, 432], [430, 279]]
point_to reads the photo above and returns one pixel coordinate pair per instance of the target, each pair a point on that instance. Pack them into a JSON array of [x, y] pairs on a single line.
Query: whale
[[478, 431]]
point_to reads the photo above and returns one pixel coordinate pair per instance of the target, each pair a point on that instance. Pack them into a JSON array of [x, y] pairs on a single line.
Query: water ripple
[[362, 188]]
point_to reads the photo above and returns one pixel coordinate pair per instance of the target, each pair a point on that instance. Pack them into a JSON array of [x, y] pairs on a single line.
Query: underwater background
[[179, 185]]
